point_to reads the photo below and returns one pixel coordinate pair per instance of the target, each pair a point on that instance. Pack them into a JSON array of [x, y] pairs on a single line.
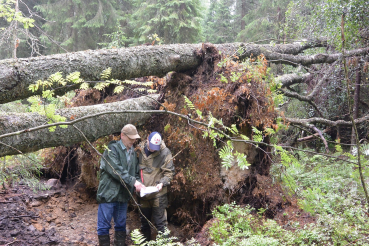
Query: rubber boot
[[120, 238], [104, 240], [147, 235]]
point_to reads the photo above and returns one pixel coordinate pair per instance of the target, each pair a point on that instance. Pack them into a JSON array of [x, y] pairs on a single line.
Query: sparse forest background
[[281, 157]]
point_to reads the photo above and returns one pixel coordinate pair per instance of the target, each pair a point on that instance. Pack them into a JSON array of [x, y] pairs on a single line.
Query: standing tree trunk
[[243, 13], [15, 35], [355, 112]]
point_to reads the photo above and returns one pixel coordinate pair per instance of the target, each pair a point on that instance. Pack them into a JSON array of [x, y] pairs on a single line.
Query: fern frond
[[84, 86], [138, 238], [227, 157], [33, 87], [74, 78], [56, 78], [189, 103], [106, 74], [47, 94], [199, 113], [269, 131], [44, 83], [148, 84], [101, 86], [258, 137], [119, 89], [242, 161], [131, 82], [365, 149], [234, 129]]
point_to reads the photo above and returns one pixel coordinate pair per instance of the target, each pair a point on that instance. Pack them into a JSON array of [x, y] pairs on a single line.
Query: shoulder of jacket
[[140, 147], [165, 151], [113, 145]]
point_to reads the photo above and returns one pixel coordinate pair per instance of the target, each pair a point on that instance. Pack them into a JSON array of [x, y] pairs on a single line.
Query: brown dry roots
[[198, 185]]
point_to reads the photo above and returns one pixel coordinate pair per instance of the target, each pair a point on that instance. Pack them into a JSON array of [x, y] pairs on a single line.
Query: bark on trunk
[[93, 128], [17, 74], [355, 112]]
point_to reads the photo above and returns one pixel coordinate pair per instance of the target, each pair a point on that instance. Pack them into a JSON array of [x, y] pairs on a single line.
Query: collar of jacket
[[142, 146], [123, 146]]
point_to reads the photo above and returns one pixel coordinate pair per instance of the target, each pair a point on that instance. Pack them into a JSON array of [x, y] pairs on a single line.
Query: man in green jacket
[[119, 163], [156, 170]]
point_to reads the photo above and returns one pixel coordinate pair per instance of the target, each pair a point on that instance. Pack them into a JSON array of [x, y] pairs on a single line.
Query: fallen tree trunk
[[17, 74], [93, 128]]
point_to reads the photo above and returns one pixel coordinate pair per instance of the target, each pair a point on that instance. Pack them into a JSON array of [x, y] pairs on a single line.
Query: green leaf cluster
[[162, 239], [7, 11]]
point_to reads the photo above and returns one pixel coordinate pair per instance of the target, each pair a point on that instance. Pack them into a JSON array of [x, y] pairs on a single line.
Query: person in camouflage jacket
[[156, 169]]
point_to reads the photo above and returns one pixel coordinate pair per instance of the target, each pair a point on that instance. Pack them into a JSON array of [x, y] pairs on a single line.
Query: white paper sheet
[[148, 190]]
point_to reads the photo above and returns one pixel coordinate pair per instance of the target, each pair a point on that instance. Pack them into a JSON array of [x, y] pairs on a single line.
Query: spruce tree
[[79, 24], [263, 21], [220, 24], [171, 21]]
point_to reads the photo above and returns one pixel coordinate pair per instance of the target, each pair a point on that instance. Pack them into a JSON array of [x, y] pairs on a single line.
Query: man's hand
[[139, 186], [159, 186]]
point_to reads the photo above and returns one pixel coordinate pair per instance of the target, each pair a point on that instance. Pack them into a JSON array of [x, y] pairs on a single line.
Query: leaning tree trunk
[[17, 74], [93, 128]]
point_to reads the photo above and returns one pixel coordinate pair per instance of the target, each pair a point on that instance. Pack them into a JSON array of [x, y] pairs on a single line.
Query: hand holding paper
[[148, 190]]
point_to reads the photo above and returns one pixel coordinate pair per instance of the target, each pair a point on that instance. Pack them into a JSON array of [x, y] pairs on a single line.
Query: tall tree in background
[[263, 20], [220, 25], [79, 24], [309, 19], [174, 21], [18, 29]]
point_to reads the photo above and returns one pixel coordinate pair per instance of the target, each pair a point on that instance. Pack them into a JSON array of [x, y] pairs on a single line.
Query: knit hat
[[154, 141], [130, 131]]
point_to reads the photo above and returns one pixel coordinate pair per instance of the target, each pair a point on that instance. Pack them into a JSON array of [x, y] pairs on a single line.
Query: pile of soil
[[61, 216], [50, 217]]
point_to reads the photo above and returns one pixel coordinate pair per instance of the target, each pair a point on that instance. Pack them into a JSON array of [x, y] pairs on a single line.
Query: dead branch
[[324, 121], [311, 137]]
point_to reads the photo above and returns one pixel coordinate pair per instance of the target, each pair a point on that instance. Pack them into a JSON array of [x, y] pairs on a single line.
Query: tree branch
[[291, 79], [324, 121]]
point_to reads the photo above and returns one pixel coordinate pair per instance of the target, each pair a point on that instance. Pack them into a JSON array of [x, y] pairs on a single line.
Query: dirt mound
[[64, 216], [19, 224]]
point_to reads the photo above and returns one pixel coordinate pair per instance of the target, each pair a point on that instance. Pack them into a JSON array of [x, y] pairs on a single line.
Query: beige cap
[[130, 131]]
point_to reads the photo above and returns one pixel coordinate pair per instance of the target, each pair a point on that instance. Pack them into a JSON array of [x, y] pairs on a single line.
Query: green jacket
[[156, 168], [110, 187]]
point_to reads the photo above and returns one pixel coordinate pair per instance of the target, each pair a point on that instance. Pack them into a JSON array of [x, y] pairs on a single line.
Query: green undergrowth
[[327, 188], [21, 169]]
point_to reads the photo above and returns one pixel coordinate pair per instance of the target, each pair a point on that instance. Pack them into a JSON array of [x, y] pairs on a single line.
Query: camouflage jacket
[[156, 168]]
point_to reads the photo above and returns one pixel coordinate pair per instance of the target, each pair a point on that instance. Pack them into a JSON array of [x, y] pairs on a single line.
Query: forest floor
[[63, 216]]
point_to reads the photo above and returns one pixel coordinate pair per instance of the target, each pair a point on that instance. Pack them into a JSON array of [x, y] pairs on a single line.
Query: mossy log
[[93, 128], [17, 74]]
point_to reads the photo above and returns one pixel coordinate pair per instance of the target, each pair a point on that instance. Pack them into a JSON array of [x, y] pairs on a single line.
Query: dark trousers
[[154, 208]]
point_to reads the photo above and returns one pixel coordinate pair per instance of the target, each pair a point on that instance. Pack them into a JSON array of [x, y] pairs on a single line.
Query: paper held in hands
[[148, 190]]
